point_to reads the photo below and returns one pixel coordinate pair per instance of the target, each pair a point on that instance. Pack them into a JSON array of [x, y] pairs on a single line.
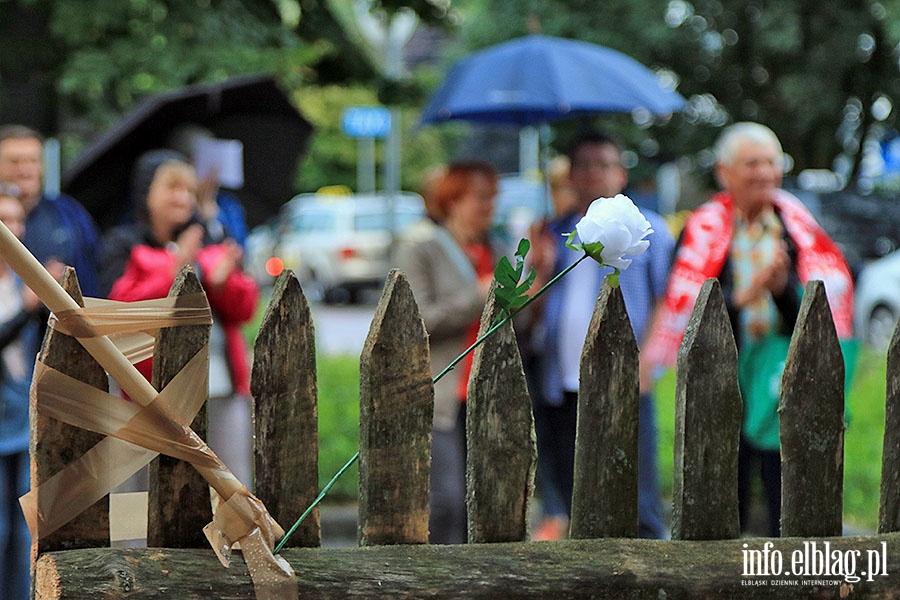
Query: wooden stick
[[101, 348]]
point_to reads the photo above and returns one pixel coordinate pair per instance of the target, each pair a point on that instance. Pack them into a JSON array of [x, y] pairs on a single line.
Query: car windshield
[[380, 221], [314, 221]]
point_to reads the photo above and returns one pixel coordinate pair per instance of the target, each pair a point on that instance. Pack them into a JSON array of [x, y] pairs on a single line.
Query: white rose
[[611, 229]]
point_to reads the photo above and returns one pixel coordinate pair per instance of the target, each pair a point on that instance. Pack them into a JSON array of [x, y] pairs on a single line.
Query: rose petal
[[638, 248], [616, 240], [619, 263]]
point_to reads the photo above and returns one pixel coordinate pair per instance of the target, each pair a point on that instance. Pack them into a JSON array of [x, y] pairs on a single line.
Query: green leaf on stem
[[505, 274], [509, 293], [522, 251], [592, 249], [526, 285]]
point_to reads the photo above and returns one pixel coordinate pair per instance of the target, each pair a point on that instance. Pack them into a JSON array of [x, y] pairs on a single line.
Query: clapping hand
[[229, 262], [772, 279], [188, 245]]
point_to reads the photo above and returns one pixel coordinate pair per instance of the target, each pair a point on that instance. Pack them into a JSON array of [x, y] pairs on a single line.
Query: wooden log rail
[[611, 568]]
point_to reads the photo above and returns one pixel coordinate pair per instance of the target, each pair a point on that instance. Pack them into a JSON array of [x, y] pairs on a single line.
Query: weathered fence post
[[286, 410], [501, 448], [707, 424], [889, 506], [812, 423], [55, 444], [396, 407], [605, 495], [178, 504]]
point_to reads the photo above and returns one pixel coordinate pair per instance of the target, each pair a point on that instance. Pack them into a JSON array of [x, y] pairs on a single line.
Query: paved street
[[342, 329]]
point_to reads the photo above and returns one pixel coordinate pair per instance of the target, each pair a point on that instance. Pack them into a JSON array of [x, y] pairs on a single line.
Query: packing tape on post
[[138, 433]]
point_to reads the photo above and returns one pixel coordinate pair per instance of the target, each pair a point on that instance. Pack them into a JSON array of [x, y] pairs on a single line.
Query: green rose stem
[[436, 378]]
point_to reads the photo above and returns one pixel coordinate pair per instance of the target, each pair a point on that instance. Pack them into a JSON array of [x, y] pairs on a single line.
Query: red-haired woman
[[450, 267]]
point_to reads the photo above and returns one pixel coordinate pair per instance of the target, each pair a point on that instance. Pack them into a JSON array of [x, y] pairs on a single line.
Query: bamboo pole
[[103, 350]]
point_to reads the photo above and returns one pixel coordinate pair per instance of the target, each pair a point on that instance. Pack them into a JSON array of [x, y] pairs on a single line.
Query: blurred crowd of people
[[758, 240], [175, 219]]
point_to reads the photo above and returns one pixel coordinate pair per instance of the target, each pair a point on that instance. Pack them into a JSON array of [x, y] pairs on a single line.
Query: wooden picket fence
[[602, 560]]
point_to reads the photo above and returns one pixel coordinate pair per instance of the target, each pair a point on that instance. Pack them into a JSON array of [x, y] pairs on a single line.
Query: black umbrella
[[252, 109]]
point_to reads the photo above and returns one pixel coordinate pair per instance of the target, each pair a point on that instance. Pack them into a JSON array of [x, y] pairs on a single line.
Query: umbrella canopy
[[535, 79], [251, 109]]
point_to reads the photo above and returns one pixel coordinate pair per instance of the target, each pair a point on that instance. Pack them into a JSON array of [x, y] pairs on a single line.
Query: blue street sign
[[366, 121]]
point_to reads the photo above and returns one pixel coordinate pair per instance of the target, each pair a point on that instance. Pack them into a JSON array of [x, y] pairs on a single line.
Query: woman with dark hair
[[450, 268], [140, 262]]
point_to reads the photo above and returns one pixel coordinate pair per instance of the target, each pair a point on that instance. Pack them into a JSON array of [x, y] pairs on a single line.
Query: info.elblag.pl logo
[[816, 563]]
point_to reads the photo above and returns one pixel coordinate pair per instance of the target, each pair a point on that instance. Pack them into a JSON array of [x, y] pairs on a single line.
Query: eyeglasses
[[600, 165]]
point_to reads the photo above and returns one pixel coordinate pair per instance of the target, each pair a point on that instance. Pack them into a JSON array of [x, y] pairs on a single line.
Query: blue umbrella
[[536, 78]]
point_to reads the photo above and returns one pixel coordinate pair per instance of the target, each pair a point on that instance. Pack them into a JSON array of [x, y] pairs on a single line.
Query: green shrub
[[338, 381], [863, 441]]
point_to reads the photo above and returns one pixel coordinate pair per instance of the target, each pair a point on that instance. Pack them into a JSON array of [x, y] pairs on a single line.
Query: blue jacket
[[61, 228], [14, 391]]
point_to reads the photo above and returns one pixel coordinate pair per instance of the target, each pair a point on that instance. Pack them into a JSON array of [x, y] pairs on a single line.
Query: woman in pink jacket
[[141, 260]]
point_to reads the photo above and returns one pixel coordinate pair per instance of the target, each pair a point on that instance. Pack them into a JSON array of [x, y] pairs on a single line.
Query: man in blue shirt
[[596, 171], [56, 227]]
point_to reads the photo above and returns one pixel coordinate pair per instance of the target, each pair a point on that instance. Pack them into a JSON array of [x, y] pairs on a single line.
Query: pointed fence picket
[[707, 424], [889, 506], [178, 505], [396, 395], [286, 447], [501, 448], [812, 423], [604, 495], [55, 444], [395, 410]]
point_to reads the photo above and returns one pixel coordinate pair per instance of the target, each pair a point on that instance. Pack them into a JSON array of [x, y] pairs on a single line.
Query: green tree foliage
[[120, 51], [810, 69], [331, 159], [74, 67], [93, 59], [332, 156]]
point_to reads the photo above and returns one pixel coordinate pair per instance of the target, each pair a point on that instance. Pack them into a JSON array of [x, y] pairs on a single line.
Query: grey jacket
[[446, 290]]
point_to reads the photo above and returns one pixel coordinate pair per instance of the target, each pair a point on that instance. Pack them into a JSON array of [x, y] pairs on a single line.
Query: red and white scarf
[[704, 248]]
